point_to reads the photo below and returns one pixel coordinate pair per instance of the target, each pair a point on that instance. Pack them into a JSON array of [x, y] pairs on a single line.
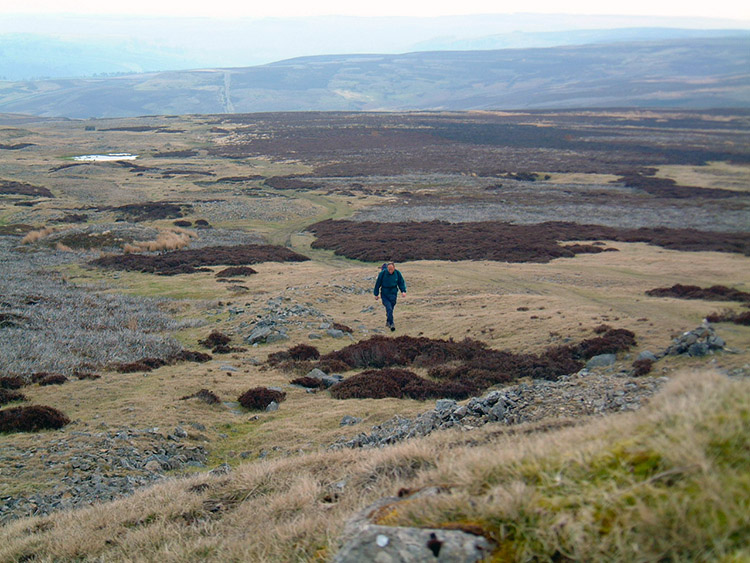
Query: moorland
[[162, 318]]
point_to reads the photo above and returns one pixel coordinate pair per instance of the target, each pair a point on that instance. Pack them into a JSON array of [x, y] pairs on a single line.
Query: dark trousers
[[389, 302]]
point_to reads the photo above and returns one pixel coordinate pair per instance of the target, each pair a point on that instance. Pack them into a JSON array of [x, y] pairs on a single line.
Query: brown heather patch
[[461, 368], [22, 188], [191, 261], [35, 236], [204, 395], [504, 242], [235, 272], [298, 353], [713, 293], [17, 229], [668, 188], [289, 183], [642, 367], [8, 396], [399, 384], [12, 382], [258, 398], [150, 364], [53, 379], [167, 240], [729, 316], [309, 382], [152, 211], [31, 419]]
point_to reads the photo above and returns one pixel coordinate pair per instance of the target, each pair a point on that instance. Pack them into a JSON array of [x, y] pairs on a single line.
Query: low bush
[[12, 382], [31, 419], [189, 261], [398, 384], [236, 272], [205, 395], [611, 342], [8, 396], [729, 316], [53, 379], [504, 242], [342, 327], [309, 382], [298, 353], [216, 338], [713, 293], [258, 398], [642, 367]]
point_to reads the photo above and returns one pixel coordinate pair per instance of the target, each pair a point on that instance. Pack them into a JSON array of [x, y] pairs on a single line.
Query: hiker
[[389, 282]]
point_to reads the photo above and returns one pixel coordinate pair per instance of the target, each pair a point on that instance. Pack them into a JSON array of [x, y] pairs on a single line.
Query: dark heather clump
[[8, 396], [730, 317], [398, 384], [642, 367], [713, 293], [31, 419], [236, 271], [216, 338], [611, 342], [205, 395], [53, 379], [298, 353], [258, 398], [12, 382], [309, 382]]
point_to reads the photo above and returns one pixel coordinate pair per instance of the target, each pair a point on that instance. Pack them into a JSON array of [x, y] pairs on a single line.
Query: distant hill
[[683, 73]]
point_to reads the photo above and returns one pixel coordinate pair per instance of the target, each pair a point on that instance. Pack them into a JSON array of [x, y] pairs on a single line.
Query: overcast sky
[[732, 9]]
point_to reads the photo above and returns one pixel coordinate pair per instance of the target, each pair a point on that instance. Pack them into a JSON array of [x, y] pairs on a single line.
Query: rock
[[366, 541], [647, 355], [276, 337], [314, 336], [335, 333], [258, 334], [180, 432], [348, 420], [444, 405], [602, 360], [697, 349], [153, 466], [223, 469], [272, 406], [327, 380]]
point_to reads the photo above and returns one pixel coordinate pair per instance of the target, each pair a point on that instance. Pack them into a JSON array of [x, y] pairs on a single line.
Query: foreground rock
[[580, 394], [92, 467], [365, 540]]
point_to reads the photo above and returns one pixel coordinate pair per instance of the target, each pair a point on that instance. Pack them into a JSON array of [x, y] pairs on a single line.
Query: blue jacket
[[389, 284]]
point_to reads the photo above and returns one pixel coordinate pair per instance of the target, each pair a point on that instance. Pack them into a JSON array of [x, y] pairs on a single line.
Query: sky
[[731, 9]]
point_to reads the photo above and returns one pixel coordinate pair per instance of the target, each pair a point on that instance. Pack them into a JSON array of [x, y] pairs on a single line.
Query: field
[[154, 290]]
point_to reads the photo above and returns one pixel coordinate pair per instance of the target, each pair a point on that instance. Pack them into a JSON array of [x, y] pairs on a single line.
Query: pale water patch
[[105, 157]]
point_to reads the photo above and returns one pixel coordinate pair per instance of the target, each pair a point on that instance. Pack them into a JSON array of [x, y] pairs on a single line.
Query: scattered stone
[[647, 355], [335, 333], [697, 342], [272, 406], [314, 336], [348, 420], [602, 360]]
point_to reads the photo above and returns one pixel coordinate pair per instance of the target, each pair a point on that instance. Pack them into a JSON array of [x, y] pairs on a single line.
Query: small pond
[[105, 157]]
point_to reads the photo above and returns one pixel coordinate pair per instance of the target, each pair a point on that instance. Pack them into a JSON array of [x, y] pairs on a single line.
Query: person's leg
[[388, 304]]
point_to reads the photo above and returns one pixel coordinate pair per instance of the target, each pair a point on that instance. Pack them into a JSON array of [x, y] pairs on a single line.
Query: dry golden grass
[[173, 239], [34, 236], [715, 175], [666, 482]]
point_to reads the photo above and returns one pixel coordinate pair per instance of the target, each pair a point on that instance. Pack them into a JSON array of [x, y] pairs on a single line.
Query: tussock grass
[[666, 483]]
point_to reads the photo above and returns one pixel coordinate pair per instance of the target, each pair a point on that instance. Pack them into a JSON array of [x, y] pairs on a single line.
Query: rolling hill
[[680, 73]]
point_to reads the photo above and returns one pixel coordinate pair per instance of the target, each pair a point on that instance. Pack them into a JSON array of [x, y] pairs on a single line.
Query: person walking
[[388, 284]]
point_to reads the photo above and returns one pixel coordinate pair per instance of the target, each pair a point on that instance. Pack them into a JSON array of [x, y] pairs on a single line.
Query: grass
[[668, 482]]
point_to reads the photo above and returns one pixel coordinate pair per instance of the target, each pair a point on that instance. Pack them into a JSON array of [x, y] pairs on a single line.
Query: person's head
[[391, 267]]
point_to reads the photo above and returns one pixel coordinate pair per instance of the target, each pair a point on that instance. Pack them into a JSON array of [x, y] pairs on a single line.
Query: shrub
[[31, 419], [729, 316], [258, 398], [236, 271], [205, 395], [611, 342], [7, 396], [342, 327], [309, 382], [397, 383], [53, 379], [12, 382], [298, 353], [713, 293], [216, 338], [642, 367]]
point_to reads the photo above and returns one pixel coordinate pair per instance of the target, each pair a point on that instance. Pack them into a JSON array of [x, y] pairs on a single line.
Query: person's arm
[[401, 284], [378, 283]]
